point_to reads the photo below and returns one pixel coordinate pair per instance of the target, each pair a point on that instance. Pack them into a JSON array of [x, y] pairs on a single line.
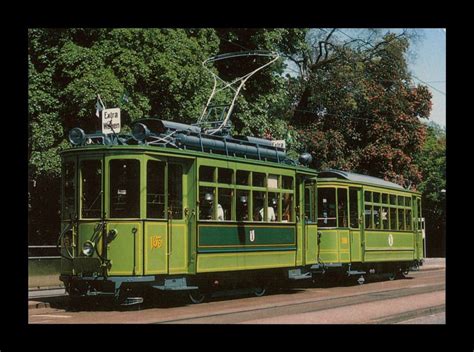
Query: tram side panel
[[227, 247]]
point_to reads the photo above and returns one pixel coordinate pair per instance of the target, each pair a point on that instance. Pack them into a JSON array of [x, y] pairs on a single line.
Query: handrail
[[45, 246], [68, 227]]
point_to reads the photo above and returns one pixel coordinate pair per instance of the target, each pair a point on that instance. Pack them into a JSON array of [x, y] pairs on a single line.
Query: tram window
[[224, 205], [418, 204], [408, 201], [124, 188], [272, 181], [242, 177], [408, 219], [287, 182], [368, 216], [384, 217], [258, 179], [287, 207], [393, 219], [368, 196], [308, 205], [242, 208], [401, 220], [155, 193], [354, 208], [258, 206], [273, 207], [376, 197], [225, 175], [377, 220], [206, 173], [342, 207], [393, 199], [69, 208], [175, 190], [91, 180], [326, 207], [384, 198], [400, 200], [206, 203]]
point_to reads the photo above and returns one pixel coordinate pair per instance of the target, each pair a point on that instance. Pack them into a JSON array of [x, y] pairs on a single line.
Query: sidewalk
[[433, 264]]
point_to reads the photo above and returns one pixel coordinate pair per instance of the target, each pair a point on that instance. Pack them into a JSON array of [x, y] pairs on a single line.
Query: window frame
[[118, 157], [251, 169], [103, 163], [389, 205]]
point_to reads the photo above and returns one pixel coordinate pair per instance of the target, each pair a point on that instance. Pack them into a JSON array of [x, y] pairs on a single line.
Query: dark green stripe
[[245, 249], [239, 235]]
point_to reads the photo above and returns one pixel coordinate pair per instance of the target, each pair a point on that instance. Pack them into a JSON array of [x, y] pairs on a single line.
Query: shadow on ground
[[157, 299]]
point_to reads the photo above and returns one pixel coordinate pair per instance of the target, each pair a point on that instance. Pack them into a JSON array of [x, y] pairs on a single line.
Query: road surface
[[417, 299]]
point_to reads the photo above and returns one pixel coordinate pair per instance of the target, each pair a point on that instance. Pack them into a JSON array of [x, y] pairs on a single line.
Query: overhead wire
[[315, 113], [369, 44]]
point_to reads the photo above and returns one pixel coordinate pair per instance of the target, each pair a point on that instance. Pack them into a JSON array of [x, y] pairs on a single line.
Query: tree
[[356, 108], [431, 160]]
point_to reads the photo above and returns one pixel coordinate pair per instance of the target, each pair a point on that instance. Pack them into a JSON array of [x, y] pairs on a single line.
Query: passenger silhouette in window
[[270, 211], [209, 208], [342, 213], [243, 209]]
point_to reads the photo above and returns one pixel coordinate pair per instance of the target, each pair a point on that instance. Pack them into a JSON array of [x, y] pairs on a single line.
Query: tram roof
[[94, 149], [359, 178]]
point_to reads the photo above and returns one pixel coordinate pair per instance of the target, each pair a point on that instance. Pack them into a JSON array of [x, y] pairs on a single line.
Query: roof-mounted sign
[[111, 121], [279, 143]]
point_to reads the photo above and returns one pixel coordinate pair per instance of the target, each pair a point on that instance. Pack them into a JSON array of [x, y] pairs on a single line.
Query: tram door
[[355, 224], [169, 215], [310, 224]]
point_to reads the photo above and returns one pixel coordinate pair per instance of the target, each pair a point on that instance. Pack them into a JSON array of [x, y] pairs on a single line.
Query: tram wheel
[[361, 280], [392, 276], [259, 291], [196, 296]]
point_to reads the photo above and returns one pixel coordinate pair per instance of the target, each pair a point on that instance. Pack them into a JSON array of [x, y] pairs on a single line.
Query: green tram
[[199, 212], [367, 225], [193, 214]]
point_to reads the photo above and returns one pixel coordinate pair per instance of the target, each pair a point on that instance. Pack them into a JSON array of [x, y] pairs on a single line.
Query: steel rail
[[322, 304]]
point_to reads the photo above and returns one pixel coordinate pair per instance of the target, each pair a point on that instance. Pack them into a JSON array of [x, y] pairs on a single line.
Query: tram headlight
[[88, 248], [77, 136], [140, 132]]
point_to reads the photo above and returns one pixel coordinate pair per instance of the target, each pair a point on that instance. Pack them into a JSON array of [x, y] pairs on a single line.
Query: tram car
[[366, 225], [201, 212]]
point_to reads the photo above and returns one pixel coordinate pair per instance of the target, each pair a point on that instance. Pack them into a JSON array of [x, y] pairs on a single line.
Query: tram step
[[177, 284], [356, 272]]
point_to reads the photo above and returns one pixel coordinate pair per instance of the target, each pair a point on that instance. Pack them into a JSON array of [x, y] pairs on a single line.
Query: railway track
[[312, 306]]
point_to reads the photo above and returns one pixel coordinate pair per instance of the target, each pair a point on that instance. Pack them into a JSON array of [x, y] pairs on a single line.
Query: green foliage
[[432, 161]]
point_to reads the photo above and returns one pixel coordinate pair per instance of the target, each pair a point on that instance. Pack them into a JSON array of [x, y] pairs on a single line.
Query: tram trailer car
[[366, 225], [192, 214]]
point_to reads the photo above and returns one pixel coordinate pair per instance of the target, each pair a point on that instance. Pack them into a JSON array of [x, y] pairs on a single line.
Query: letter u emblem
[[252, 235]]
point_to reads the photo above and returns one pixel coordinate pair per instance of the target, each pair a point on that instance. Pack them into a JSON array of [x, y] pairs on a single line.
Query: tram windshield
[[124, 188], [91, 185]]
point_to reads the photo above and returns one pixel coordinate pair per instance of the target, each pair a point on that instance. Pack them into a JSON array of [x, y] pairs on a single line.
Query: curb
[[38, 305], [432, 268]]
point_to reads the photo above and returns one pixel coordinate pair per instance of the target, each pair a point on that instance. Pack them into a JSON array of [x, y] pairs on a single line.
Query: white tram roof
[[358, 178]]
